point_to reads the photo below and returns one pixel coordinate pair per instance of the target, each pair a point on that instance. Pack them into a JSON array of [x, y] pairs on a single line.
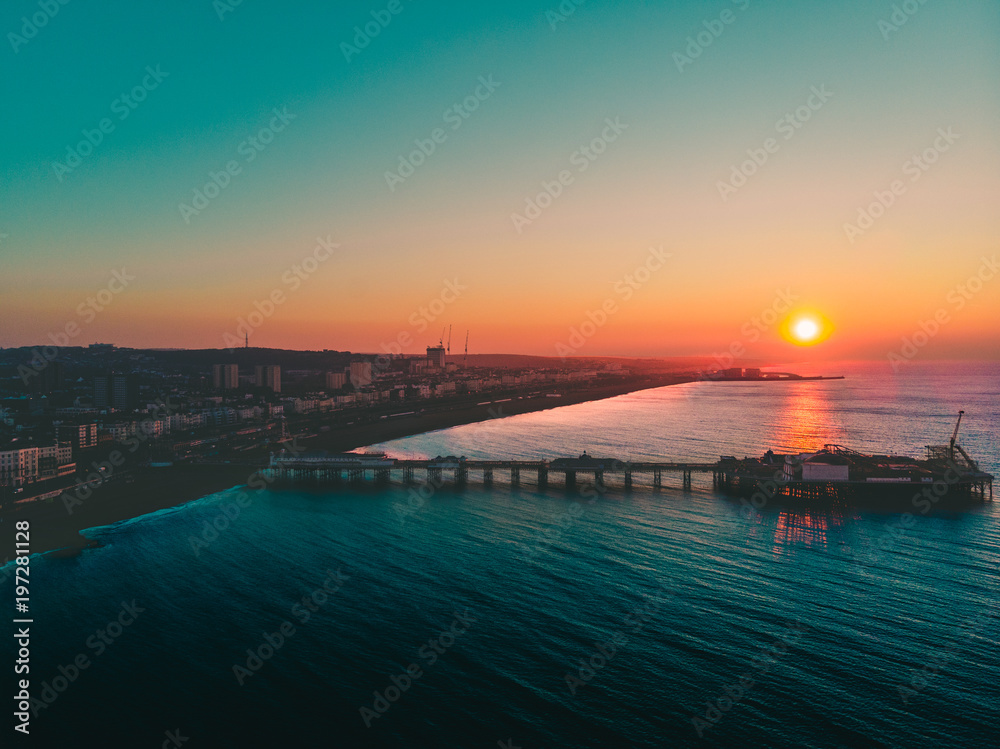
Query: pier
[[832, 473], [319, 469]]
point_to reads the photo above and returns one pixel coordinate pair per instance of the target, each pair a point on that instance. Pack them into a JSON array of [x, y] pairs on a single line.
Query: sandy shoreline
[[55, 529]]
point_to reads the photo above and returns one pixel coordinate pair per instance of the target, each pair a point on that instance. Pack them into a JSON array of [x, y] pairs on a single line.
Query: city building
[[335, 380], [361, 373], [114, 390], [825, 466], [436, 356], [269, 376], [21, 465], [225, 376], [444, 388], [80, 436]]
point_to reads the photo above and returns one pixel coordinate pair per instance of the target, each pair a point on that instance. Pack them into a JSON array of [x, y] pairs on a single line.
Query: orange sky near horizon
[[903, 133]]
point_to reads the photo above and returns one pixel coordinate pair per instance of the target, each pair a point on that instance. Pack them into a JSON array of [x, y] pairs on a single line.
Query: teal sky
[[324, 174]]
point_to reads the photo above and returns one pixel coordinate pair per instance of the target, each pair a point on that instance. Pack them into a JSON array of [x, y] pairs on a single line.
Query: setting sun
[[806, 327]]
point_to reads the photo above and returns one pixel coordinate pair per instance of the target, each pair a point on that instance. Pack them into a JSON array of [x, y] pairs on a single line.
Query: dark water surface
[[821, 628]]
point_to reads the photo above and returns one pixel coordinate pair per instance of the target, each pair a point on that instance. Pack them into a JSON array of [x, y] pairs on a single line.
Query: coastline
[[54, 530], [385, 430]]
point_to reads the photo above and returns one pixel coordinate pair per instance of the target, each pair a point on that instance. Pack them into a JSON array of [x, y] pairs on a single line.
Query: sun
[[806, 327]]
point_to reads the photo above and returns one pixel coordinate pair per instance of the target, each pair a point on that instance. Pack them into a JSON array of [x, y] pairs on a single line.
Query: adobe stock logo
[[915, 167], [787, 126], [454, 116], [222, 7], [364, 36], [624, 289], [88, 309], [249, 149], [957, 297], [704, 39], [900, 15], [582, 158], [293, 278], [562, 13], [123, 106], [38, 20]]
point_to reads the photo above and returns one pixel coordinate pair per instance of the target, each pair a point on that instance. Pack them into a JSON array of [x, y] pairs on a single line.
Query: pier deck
[[770, 476]]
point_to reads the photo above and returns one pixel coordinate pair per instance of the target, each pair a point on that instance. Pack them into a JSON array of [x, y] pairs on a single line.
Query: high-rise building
[[269, 376], [361, 373], [436, 354], [335, 380], [225, 376], [101, 388], [118, 391], [80, 436]]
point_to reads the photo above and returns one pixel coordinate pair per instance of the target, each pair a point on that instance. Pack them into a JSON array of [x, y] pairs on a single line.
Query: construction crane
[[466, 357], [449, 339], [953, 445], [954, 435]]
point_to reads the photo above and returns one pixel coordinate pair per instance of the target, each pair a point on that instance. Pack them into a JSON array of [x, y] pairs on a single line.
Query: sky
[[635, 179]]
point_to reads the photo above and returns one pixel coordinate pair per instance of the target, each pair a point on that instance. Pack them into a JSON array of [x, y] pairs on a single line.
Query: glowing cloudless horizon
[[500, 170]]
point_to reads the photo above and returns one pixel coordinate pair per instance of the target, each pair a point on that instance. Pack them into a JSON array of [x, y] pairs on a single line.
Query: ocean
[[485, 617]]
